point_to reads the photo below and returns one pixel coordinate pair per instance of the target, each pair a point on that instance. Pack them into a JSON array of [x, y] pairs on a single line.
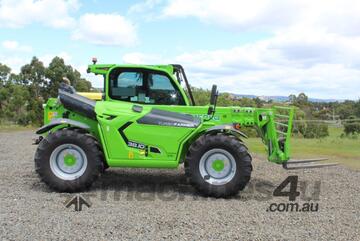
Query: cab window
[[144, 87]]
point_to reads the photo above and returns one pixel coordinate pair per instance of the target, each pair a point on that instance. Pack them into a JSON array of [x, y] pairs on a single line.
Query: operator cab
[[149, 84], [144, 86]]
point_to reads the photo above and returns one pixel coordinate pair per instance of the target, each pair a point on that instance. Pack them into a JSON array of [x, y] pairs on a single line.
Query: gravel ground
[[148, 204]]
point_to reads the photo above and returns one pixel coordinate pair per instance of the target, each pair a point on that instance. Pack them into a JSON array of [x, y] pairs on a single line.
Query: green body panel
[[167, 137], [171, 142], [54, 109]]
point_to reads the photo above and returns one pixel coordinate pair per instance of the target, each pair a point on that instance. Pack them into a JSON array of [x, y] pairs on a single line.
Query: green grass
[[342, 150]]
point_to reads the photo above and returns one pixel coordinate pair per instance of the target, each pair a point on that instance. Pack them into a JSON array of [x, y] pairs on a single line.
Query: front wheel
[[68, 161], [218, 165]]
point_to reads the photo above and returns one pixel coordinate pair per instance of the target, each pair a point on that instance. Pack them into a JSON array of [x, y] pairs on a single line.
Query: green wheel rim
[[68, 162], [217, 166]]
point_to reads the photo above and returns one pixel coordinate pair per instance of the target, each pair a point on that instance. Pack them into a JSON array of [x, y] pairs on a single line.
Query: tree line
[[311, 118], [22, 96]]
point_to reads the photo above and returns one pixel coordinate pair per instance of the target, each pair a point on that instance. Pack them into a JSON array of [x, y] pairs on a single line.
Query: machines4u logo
[[289, 188]]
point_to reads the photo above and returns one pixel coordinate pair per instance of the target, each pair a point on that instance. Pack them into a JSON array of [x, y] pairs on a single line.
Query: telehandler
[[145, 118]]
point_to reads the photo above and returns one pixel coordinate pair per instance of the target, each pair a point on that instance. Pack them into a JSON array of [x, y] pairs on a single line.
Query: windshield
[[144, 86]]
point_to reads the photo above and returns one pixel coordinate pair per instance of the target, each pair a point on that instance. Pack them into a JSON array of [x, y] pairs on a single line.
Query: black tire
[[230, 144], [105, 166], [89, 146]]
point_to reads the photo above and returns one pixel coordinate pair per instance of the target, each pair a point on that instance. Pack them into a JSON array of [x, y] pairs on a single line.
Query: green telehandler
[[145, 119]]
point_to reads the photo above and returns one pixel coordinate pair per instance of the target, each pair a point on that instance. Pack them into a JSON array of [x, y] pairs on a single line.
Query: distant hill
[[283, 98]]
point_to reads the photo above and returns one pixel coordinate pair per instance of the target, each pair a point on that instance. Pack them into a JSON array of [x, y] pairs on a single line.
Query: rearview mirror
[[213, 99], [213, 95]]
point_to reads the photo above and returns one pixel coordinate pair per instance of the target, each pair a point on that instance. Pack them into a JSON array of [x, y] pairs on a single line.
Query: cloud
[[105, 29], [14, 46], [14, 54], [321, 64], [96, 80], [14, 62], [313, 46], [53, 13], [144, 6], [47, 58], [236, 14], [335, 16], [101, 29], [17, 61], [141, 58]]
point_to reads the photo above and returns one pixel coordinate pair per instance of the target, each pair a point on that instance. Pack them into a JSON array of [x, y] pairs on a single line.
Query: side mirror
[[213, 100]]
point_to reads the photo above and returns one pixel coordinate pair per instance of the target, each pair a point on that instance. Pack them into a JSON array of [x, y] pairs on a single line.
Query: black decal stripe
[[131, 144], [168, 118], [121, 131]]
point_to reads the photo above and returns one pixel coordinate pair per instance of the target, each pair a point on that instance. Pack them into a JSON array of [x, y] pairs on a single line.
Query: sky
[[260, 47]]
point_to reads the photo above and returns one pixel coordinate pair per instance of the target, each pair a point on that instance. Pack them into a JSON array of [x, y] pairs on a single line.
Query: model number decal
[[204, 116], [136, 145]]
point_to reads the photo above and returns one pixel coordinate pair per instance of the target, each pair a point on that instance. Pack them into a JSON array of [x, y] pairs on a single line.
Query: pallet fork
[[297, 164]]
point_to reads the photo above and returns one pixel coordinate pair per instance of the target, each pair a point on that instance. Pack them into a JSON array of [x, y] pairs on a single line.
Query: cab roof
[[104, 68]]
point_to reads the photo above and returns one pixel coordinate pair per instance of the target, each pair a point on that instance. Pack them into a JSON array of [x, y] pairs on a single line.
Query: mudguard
[[221, 128], [61, 121]]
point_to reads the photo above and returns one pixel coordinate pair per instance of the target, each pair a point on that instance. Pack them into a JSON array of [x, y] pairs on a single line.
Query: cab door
[[143, 131]]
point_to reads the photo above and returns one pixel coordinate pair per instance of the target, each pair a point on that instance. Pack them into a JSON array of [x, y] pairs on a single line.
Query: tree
[[57, 70], [352, 126], [33, 75], [292, 99], [346, 109], [22, 95], [246, 102], [4, 95], [259, 103], [83, 85], [201, 96], [299, 125], [357, 108], [225, 99], [4, 74], [316, 130], [14, 103], [302, 99]]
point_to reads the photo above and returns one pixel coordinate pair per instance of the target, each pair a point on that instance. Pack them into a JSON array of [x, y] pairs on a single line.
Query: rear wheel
[[218, 165], [68, 161]]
